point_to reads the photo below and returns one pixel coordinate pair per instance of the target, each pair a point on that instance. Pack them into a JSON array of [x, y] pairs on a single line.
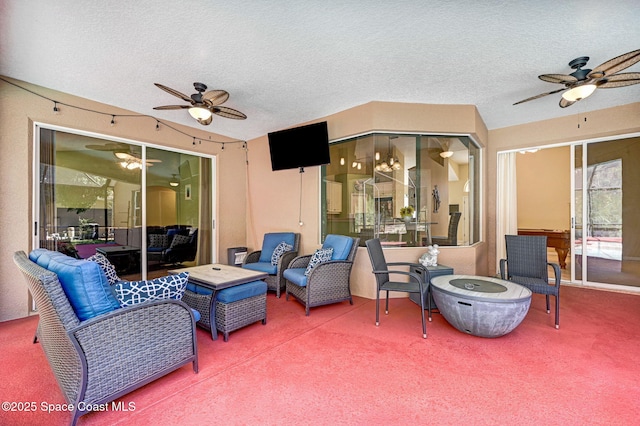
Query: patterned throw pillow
[[320, 256], [179, 239], [159, 241], [130, 293], [279, 251], [106, 266]]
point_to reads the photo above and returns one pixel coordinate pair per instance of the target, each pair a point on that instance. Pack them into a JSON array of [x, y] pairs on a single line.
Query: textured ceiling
[[287, 62]]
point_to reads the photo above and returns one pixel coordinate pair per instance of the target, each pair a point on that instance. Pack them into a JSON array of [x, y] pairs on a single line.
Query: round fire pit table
[[481, 306]]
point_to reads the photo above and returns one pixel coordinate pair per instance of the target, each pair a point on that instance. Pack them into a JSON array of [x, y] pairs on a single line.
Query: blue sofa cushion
[[341, 246], [196, 315], [271, 241], [197, 289], [85, 285], [296, 276], [242, 291], [319, 256], [106, 266], [279, 251], [262, 267], [43, 256], [130, 293]]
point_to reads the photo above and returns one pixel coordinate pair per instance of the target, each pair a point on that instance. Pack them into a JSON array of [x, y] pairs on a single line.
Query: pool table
[[556, 238]]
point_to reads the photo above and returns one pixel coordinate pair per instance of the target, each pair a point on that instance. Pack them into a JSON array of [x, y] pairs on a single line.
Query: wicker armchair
[[275, 281], [527, 265], [327, 282], [101, 359]]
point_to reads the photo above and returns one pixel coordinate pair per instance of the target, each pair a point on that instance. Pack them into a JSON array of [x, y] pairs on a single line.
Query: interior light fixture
[[446, 154], [342, 161], [579, 92], [390, 163], [200, 113], [174, 181]]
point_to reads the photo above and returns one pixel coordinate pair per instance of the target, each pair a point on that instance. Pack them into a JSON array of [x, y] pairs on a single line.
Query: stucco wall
[[275, 197]]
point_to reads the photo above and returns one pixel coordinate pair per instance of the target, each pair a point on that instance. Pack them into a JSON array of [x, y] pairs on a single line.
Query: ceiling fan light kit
[[579, 92], [200, 112], [583, 82]]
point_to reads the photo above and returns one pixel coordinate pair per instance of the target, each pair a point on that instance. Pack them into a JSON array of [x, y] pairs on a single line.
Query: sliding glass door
[[147, 209], [606, 204]]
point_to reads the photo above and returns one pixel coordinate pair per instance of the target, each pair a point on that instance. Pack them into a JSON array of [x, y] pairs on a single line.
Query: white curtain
[[507, 203]]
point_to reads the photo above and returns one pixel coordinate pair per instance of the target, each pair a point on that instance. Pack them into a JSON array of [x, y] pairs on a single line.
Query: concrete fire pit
[[481, 306]]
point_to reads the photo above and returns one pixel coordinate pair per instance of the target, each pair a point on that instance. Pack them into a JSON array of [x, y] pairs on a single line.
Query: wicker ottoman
[[199, 298], [240, 306], [235, 307]]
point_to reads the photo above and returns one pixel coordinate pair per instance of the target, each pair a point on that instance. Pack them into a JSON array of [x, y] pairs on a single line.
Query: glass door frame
[[584, 281], [35, 187], [572, 146]]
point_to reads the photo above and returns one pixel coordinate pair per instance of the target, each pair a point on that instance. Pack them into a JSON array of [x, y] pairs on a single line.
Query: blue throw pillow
[[319, 256], [279, 251], [106, 266], [130, 293]]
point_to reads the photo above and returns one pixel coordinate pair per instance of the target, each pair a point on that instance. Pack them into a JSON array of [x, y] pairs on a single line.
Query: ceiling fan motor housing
[[577, 64]]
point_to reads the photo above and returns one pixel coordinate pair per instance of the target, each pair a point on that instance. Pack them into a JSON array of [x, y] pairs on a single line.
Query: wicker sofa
[[100, 359]]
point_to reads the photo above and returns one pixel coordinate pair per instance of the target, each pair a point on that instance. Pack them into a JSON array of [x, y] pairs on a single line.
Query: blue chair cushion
[[194, 288], [296, 276], [84, 283], [130, 293], [262, 267], [271, 241], [341, 246], [242, 291]]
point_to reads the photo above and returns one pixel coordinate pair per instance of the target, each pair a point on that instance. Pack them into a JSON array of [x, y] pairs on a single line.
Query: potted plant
[[406, 213]]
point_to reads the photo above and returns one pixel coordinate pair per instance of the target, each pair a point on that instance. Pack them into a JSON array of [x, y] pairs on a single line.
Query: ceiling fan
[[131, 162], [202, 105], [583, 82], [127, 158]]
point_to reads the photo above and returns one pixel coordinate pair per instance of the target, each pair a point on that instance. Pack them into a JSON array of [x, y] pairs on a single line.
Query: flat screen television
[[300, 147]]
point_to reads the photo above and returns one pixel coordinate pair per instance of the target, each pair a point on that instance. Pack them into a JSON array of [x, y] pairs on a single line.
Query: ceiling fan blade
[[540, 96], [215, 97], [109, 146], [616, 64], [174, 92], [173, 107], [228, 113], [565, 103], [558, 78], [620, 80]]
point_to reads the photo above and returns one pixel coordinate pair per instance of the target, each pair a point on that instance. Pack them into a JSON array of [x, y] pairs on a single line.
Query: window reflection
[[401, 188]]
